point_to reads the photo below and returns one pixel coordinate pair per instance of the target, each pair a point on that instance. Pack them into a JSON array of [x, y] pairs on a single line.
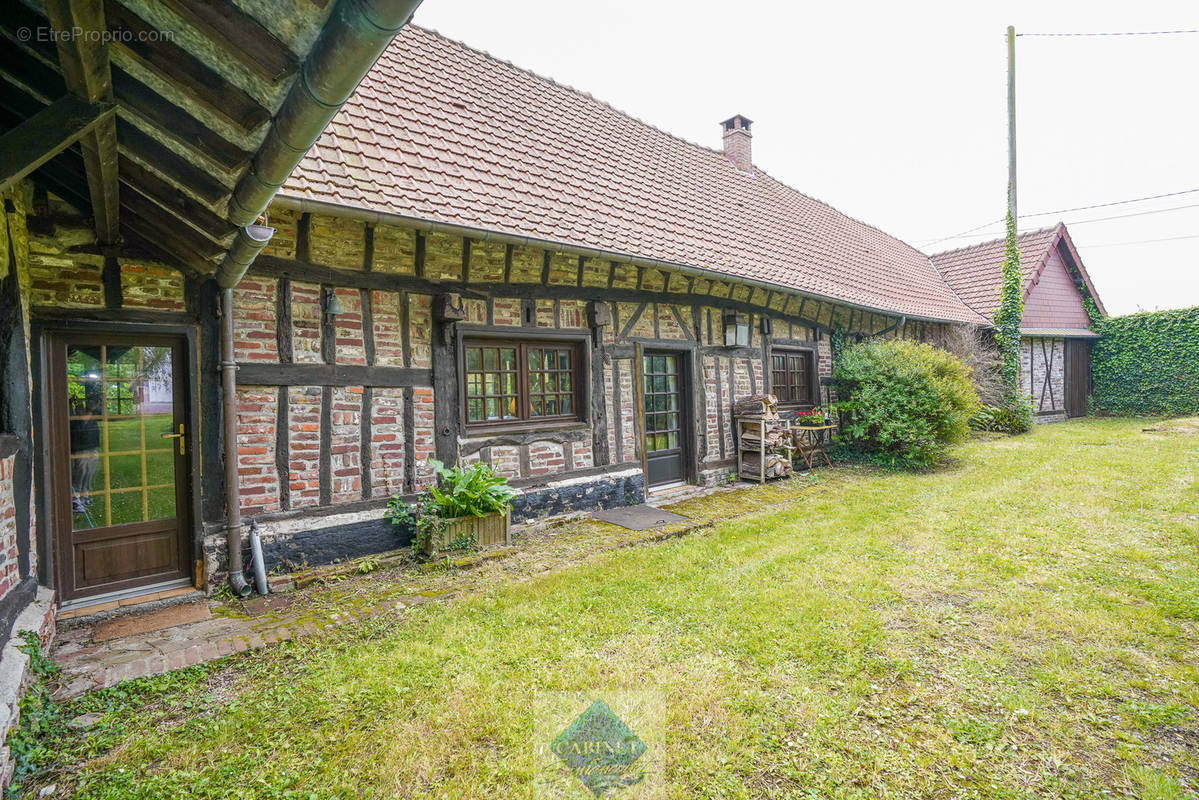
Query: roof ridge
[[757, 170], [701, 211], [988, 242]]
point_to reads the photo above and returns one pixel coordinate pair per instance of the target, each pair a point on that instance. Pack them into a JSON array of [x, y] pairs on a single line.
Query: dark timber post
[[447, 311], [16, 405]]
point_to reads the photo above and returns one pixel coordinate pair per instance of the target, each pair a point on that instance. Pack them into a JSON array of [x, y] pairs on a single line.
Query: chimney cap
[[737, 122]]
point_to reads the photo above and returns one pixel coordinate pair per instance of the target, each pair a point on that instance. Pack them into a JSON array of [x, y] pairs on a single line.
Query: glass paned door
[[663, 411], [121, 451]]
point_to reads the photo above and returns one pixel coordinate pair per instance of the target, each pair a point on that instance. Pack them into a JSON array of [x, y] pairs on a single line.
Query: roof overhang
[[176, 121], [304, 204], [1060, 333]]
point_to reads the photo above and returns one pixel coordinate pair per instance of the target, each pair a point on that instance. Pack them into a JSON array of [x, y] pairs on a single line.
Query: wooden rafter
[[84, 63], [245, 38], [46, 134]]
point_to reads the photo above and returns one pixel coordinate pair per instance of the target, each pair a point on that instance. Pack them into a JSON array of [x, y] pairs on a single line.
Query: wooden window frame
[[813, 376], [522, 339]]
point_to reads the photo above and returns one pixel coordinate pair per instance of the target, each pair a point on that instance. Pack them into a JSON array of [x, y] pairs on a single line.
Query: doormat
[[135, 623], [638, 518]]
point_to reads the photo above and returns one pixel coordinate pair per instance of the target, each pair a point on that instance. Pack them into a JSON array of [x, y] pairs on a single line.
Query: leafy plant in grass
[[903, 403], [1001, 419], [35, 742], [475, 491]]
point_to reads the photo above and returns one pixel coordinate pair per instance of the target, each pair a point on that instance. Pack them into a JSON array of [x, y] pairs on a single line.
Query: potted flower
[[469, 507], [815, 418]]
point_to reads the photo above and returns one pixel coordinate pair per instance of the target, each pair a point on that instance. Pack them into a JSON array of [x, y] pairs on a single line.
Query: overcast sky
[[895, 113]]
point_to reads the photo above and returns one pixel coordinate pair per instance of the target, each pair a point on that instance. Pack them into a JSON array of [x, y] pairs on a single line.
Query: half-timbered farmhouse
[[1056, 331], [471, 263]]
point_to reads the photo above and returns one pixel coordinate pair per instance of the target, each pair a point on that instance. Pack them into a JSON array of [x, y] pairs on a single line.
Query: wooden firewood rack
[[761, 428]]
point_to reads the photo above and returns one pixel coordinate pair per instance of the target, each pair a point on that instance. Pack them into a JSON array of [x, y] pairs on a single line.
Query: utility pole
[[1011, 121], [1011, 288]]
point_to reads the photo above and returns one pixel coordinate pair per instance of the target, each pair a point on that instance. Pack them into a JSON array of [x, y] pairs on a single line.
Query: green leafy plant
[[902, 403], [811, 419], [475, 491], [35, 743], [1147, 363], [1010, 312], [1001, 419]]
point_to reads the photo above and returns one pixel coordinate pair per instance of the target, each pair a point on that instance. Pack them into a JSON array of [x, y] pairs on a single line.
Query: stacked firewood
[[776, 436], [777, 466], [760, 406]]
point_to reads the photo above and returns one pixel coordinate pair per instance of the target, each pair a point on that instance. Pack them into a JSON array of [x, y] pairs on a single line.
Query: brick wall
[[1043, 376], [9, 574], [257, 407], [255, 314]]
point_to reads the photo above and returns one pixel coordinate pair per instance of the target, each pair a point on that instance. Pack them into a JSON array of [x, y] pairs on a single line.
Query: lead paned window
[[510, 382]]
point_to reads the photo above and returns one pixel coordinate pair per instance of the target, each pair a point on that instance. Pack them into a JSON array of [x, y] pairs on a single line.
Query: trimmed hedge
[[902, 403], [1148, 363]]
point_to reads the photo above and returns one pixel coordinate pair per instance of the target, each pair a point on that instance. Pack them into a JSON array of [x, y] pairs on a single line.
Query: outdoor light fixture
[[332, 303], [767, 325], [736, 329]]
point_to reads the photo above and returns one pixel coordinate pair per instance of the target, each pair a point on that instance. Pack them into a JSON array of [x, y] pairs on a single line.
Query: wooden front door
[[118, 443], [662, 393], [1078, 376]]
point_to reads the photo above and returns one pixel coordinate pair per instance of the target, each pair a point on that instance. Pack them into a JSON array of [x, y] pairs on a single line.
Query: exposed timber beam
[[84, 63], [46, 134], [159, 54], [245, 38]]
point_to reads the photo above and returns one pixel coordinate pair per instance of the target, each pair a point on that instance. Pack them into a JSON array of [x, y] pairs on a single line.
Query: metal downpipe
[[233, 525]]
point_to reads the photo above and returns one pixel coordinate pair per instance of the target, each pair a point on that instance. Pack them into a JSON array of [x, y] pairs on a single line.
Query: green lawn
[[1022, 624]]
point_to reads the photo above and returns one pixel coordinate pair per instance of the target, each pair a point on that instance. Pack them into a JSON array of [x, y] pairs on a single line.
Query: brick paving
[[87, 665]]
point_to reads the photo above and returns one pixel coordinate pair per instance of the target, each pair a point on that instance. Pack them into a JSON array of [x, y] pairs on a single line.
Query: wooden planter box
[[489, 530]]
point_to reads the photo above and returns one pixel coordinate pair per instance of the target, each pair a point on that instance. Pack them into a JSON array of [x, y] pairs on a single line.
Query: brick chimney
[[737, 142]]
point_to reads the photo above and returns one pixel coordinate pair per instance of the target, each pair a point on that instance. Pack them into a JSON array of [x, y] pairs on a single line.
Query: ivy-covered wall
[[1148, 363]]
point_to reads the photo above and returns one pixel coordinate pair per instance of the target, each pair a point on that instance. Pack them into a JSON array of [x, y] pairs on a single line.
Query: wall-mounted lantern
[[736, 329], [767, 325], [332, 303]]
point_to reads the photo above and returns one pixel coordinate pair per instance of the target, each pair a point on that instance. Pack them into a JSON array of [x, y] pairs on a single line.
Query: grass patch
[[1021, 624]]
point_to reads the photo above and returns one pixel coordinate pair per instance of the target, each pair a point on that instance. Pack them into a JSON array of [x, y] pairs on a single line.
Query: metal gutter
[[352, 40], [304, 204]]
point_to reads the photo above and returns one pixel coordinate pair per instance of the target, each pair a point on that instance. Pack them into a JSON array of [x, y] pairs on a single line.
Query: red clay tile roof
[[441, 132], [975, 272]]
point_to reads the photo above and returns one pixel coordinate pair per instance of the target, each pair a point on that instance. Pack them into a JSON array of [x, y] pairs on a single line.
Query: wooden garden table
[[809, 442]]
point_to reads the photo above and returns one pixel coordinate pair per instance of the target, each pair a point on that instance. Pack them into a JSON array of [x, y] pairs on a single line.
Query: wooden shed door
[[118, 448], [1078, 376]]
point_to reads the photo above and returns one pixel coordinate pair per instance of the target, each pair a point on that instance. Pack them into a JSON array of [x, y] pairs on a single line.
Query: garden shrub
[[903, 403], [1147, 363], [1002, 419]]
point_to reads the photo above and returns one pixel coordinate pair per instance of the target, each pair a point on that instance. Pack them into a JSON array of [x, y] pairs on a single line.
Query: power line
[[928, 243], [1077, 222], [1108, 33], [1142, 241]]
